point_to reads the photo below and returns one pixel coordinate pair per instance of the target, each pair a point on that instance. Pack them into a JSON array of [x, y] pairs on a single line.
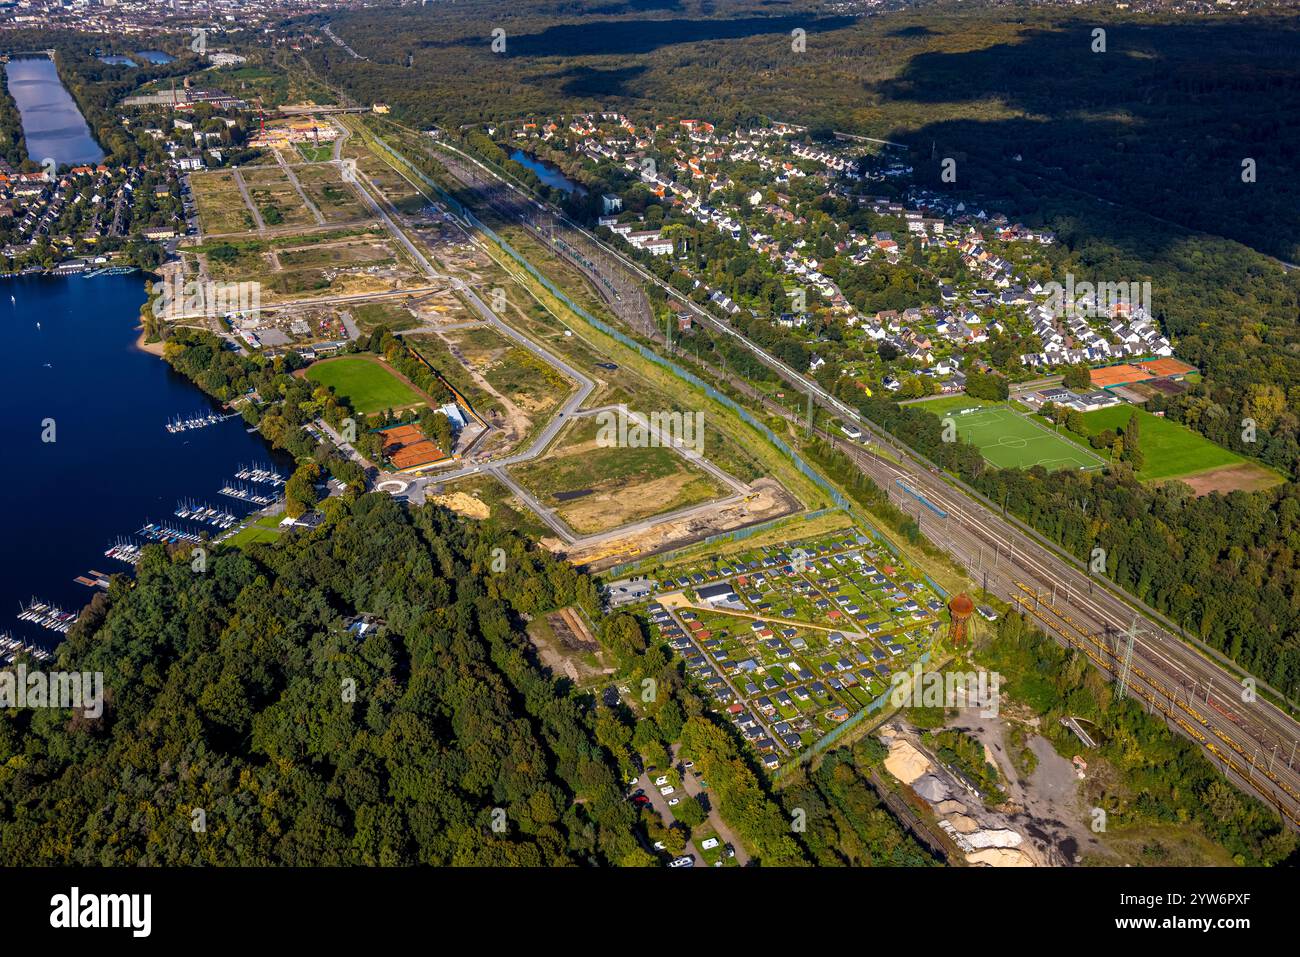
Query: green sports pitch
[[1010, 440], [365, 383]]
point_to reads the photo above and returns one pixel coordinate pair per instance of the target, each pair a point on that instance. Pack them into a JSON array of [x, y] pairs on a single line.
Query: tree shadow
[[587, 81], [639, 36], [1161, 121]]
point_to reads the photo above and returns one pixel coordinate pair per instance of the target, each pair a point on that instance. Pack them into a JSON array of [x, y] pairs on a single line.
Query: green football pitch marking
[[1008, 439]]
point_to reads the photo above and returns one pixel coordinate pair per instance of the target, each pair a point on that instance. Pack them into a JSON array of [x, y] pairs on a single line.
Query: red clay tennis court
[[1166, 367], [1121, 374], [406, 447]]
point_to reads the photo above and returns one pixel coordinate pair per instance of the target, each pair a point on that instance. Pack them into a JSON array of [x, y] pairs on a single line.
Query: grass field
[[316, 154], [1170, 449], [370, 315], [366, 384], [275, 197], [364, 252], [221, 207], [265, 529], [1008, 439], [324, 186]]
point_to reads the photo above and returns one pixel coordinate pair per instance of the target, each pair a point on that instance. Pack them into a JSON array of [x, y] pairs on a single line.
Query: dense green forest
[[239, 691], [13, 142]]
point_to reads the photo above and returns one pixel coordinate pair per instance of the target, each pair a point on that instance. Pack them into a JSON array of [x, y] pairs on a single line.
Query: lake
[[156, 57], [52, 122], [547, 173], [113, 466]]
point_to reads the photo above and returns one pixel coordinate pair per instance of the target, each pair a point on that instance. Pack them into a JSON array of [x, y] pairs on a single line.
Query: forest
[[247, 724], [1160, 120], [239, 692], [13, 142]]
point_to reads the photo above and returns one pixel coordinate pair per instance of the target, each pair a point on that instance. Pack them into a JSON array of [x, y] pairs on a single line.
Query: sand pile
[[999, 857], [463, 504], [905, 762]]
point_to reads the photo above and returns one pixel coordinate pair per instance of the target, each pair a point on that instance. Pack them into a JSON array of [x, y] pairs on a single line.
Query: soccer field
[[365, 383], [1010, 440]]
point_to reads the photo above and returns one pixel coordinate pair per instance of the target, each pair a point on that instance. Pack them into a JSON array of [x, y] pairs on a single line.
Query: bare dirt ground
[[1046, 806], [463, 504], [511, 425], [1245, 477], [565, 645], [769, 501], [602, 511]]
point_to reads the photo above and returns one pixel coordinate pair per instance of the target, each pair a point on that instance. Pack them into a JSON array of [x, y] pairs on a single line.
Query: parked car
[[684, 861]]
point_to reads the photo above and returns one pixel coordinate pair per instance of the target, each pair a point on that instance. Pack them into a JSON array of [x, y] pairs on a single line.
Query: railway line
[[1252, 741]]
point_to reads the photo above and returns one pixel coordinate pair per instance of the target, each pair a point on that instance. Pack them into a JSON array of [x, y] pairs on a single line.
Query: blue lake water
[[155, 57], [118, 60], [52, 122], [113, 466], [548, 174]]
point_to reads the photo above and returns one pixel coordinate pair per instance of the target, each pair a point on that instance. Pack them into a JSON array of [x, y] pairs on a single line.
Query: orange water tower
[[960, 609]]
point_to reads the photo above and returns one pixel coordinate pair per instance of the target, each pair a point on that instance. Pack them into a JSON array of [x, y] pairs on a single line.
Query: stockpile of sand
[[963, 824], [999, 857], [463, 504], [950, 807], [905, 762]]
